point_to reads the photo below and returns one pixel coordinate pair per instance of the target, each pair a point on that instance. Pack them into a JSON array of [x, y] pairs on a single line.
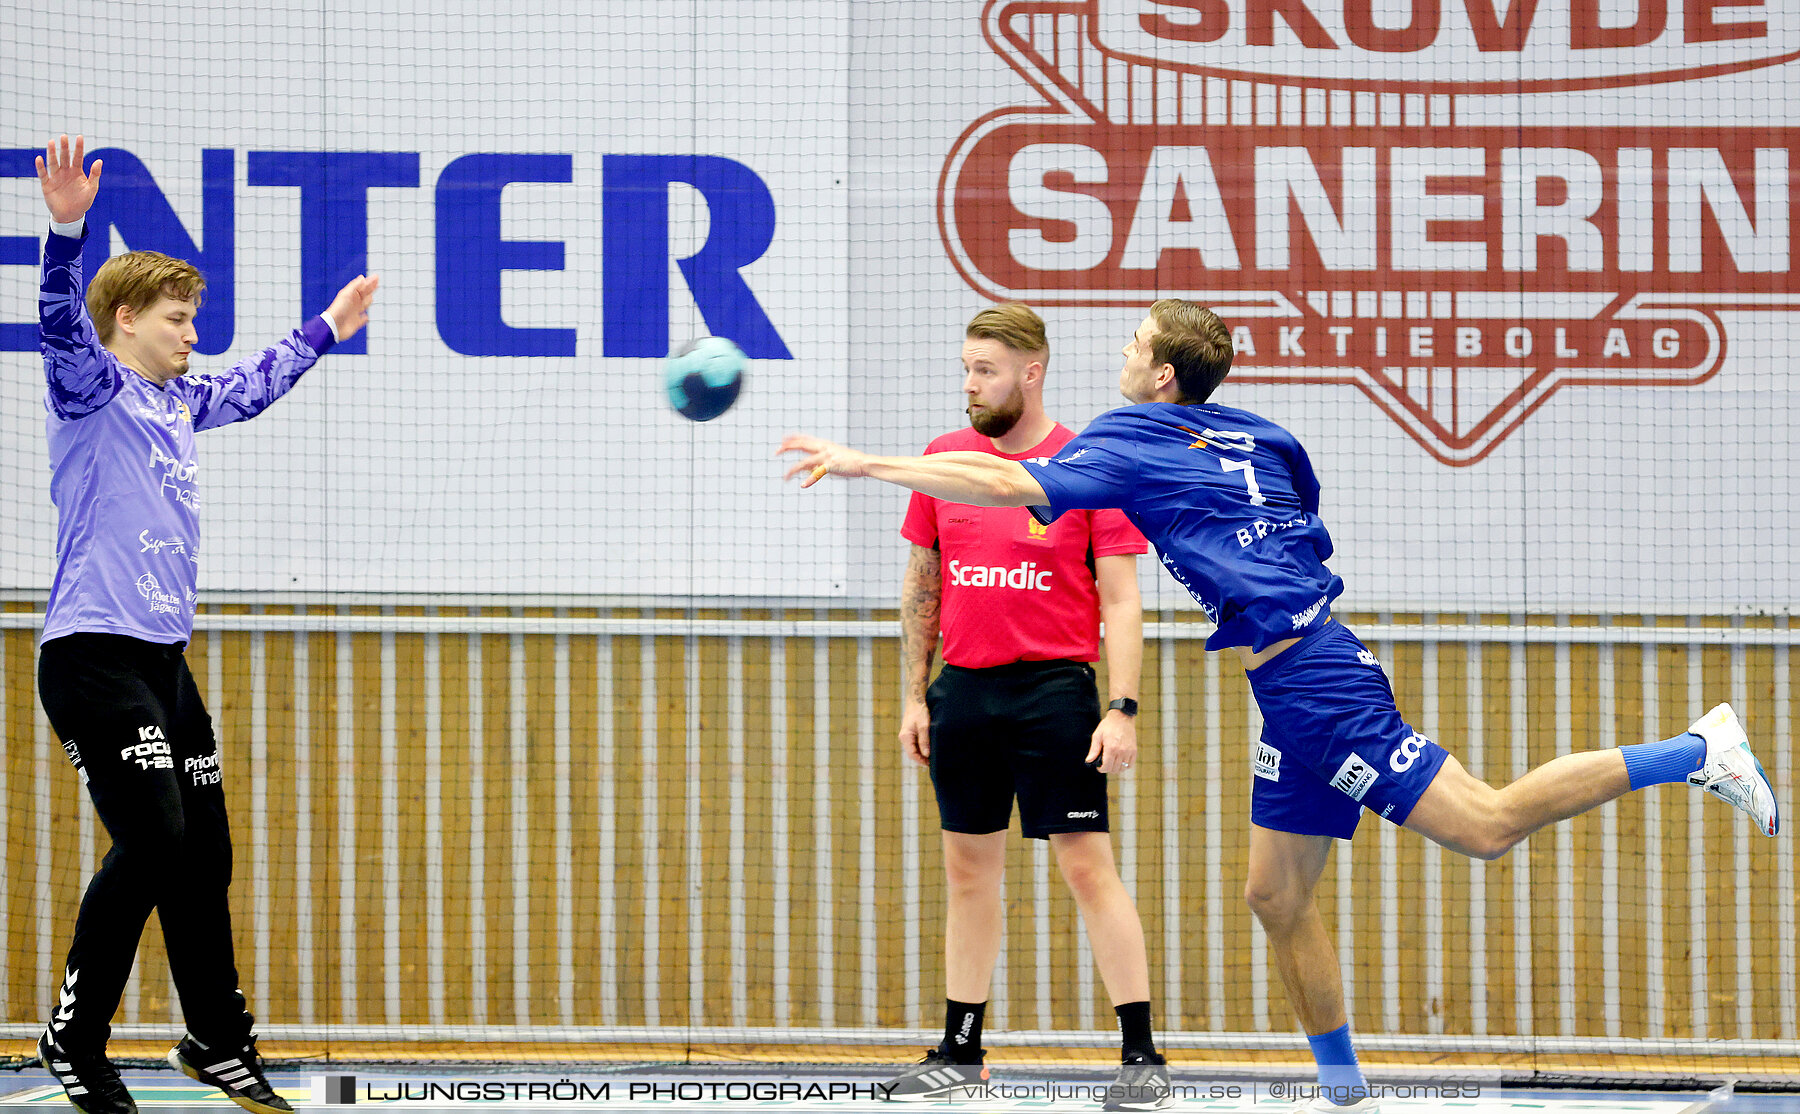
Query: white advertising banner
[[1519, 274], [552, 202]]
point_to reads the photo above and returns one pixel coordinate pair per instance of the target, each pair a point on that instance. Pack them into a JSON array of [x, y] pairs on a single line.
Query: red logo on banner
[[1456, 264]]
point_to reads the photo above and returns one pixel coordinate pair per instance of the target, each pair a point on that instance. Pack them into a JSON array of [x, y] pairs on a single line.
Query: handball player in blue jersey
[[121, 414], [1230, 501]]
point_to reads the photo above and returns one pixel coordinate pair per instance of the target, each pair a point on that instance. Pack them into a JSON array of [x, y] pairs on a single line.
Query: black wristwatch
[[1123, 704]]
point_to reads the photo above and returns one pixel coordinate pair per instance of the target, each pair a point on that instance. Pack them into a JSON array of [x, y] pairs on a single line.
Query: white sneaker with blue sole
[[1732, 772]]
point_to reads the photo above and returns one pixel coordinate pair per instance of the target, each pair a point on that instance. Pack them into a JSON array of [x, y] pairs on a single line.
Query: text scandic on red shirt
[[1014, 590]]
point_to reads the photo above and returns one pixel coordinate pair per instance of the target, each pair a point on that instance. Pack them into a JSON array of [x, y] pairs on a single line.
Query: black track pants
[[132, 723]]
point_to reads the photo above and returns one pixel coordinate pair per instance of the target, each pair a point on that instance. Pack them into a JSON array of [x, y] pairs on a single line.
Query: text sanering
[[1550, 209]]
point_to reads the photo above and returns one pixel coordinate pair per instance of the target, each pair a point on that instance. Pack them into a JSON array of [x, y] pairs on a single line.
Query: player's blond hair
[[1015, 325], [137, 279], [1196, 342]]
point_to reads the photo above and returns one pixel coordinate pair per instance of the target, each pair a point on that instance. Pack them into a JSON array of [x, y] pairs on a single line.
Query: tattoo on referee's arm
[[921, 599]]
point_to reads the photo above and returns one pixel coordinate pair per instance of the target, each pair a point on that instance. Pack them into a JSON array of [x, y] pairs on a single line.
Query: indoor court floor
[[645, 1088]]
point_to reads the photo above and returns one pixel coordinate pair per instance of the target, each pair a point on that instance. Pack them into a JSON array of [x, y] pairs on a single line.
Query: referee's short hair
[[1196, 342], [137, 279], [1013, 324]]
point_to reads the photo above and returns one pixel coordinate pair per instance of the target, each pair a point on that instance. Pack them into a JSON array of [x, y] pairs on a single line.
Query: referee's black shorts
[[1025, 729]]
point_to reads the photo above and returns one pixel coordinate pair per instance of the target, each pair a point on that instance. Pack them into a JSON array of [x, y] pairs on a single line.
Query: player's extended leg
[[1466, 815], [1283, 875]]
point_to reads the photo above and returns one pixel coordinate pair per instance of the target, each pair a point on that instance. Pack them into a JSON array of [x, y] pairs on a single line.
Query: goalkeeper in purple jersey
[[1231, 503], [121, 414]]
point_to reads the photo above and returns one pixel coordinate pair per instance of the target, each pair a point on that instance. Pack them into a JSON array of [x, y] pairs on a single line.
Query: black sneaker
[[236, 1071], [937, 1076], [89, 1079], [1143, 1084]]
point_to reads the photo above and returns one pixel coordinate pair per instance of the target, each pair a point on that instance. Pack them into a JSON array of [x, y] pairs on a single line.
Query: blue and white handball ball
[[703, 377]]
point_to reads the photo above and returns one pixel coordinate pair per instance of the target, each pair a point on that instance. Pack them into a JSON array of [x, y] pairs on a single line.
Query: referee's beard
[[997, 421]]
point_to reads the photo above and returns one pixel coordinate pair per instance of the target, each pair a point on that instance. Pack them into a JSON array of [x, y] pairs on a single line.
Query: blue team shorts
[[1333, 743]]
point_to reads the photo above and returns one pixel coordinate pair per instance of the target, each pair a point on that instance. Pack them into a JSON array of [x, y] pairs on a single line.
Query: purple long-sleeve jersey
[[123, 473]]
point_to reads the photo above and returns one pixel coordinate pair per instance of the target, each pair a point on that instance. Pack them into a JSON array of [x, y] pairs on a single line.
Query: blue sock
[[1338, 1073], [1664, 762]]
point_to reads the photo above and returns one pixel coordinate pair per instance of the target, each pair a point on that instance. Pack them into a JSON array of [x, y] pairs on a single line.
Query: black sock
[[962, 1031], [1134, 1030]]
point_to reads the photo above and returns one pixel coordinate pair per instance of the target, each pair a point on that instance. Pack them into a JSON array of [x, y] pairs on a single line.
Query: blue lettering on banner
[[636, 251], [471, 255], [334, 215], [18, 251], [130, 201]]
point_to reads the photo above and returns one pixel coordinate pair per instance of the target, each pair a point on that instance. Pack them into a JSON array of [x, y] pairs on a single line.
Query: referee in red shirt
[[1015, 710]]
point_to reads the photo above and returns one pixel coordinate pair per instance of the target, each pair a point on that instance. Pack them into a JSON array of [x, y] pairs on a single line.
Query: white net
[[558, 721]]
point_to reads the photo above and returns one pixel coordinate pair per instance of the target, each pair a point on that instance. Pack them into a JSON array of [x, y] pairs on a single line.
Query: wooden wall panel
[[617, 829]]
